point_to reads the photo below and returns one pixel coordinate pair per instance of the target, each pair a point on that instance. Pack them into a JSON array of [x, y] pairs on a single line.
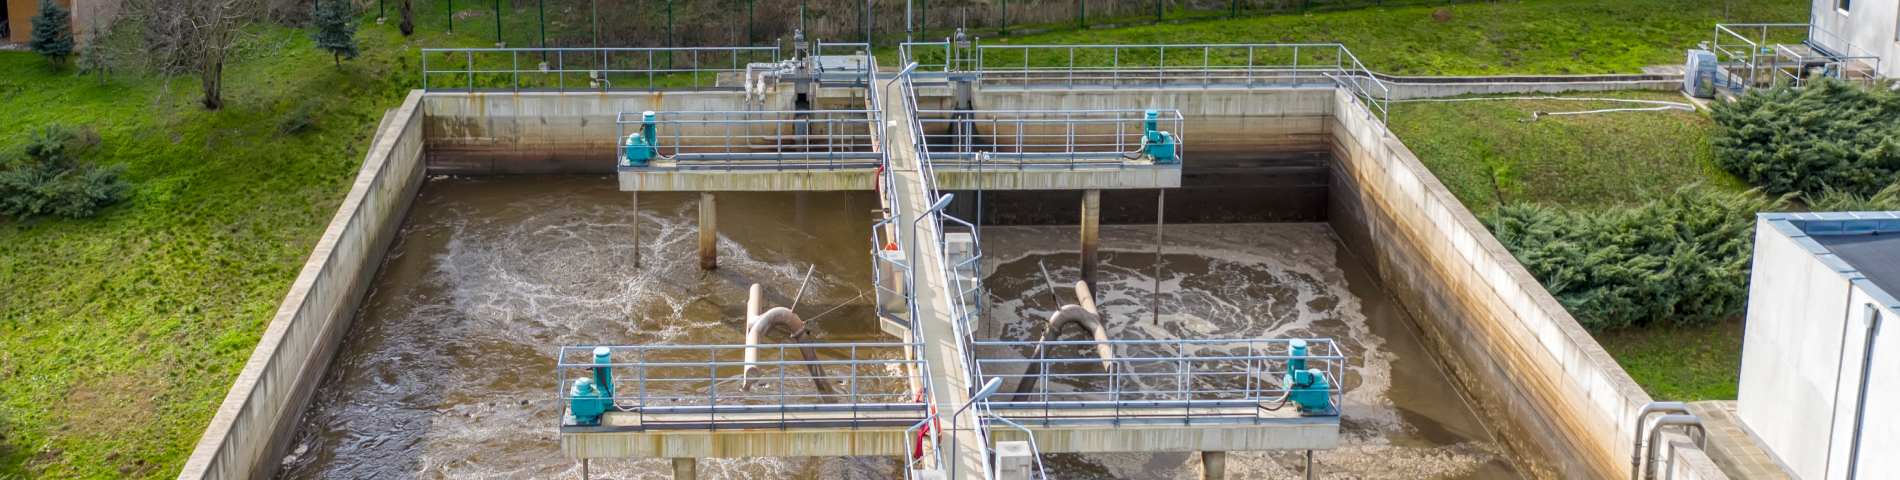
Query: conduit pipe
[[1672, 420], [1636, 451], [780, 318], [1084, 315]]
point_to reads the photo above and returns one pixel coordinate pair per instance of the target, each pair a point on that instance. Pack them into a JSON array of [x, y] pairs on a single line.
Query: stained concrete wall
[[1540, 382], [249, 433], [547, 132]]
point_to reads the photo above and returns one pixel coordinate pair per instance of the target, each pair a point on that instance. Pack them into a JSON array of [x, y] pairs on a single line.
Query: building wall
[[1868, 24], [1801, 359]]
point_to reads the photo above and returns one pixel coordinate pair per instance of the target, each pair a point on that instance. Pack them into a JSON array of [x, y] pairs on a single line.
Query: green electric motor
[[1306, 386], [590, 398], [1155, 142], [640, 144]]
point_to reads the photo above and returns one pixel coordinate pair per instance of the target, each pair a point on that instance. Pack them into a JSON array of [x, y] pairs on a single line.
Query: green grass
[[1681, 364], [1486, 156], [120, 334], [1523, 37]]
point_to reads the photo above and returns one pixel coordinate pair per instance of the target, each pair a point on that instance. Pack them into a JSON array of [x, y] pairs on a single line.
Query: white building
[[1872, 26], [1820, 388]]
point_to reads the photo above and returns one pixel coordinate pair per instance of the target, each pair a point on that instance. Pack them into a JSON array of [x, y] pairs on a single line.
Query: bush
[[1888, 199], [1828, 134], [1682, 259], [48, 176]]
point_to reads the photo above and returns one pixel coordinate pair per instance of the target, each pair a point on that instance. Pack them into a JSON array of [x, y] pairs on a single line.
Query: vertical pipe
[[584, 473], [636, 229], [1091, 220], [1161, 202], [1860, 410], [1213, 465], [708, 232], [1311, 474]]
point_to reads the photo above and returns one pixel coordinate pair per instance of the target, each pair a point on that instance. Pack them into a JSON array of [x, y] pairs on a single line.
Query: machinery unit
[[1700, 75], [1158, 143], [639, 145], [588, 399], [1306, 387]]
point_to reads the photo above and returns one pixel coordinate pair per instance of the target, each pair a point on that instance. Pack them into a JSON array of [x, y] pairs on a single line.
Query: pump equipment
[[590, 398], [640, 144], [1306, 386], [1157, 143]]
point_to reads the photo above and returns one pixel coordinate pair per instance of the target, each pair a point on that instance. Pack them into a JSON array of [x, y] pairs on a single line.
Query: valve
[[1155, 142]]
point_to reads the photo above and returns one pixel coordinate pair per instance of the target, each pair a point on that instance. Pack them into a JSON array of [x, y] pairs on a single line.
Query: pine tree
[[52, 33], [335, 21]]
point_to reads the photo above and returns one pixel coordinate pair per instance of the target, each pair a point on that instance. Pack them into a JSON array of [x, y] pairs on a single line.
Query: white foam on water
[[1258, 281]]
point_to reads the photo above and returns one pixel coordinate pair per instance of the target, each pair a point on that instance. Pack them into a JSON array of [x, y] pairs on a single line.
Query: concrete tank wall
[[1540, 381], [544, 132], [249, 433]]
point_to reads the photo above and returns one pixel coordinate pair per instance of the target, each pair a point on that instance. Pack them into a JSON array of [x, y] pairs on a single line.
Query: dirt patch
[[107, 406]]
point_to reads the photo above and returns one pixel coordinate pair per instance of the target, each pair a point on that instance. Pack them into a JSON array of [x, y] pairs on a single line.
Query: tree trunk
[[213, 81], [339, 61]]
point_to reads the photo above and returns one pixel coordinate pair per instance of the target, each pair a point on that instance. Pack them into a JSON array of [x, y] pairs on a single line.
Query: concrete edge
[[1683, 460], [217, 446], [1594, 372]]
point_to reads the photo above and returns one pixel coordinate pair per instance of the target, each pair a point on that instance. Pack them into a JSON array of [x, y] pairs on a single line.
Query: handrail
[[788, 139], [599, 67], [683, 386], [1058, 137], [1155, 374], [1762, 54]]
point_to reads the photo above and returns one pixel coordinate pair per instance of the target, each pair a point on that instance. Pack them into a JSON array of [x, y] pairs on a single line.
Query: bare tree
[[195, 37]]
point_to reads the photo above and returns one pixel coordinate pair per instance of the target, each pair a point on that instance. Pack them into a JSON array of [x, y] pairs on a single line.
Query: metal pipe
[[780, 318], [1084, 315], [1636, 451], [1672, 420]]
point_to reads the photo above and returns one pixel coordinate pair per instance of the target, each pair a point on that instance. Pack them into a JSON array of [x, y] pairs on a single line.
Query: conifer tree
[[335, 21], [52, 33]]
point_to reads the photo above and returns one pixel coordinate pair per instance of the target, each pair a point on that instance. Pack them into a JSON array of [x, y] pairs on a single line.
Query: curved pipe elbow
[[757, 326]]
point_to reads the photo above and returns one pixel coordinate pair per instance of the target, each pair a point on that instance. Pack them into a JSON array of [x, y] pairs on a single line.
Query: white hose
[[1538, 113]]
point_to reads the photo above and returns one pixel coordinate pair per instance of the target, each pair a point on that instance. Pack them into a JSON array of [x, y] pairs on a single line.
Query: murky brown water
[[448, 370], [1402, 417]]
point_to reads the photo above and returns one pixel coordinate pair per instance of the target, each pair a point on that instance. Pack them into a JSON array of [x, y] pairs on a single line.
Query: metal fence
[[1754, 55], [1042, 137], [562, 69], [779, 140], [706, 386], [1153, 381]]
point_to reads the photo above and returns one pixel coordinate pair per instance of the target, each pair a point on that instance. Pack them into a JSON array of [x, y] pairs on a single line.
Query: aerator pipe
[[759, 324], [1636, 451], [1084, 315]]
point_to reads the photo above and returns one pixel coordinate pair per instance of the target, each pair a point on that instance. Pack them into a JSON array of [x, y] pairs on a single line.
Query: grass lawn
[[119, 335], [1681, 364], [1486, 157], [1520, 37]]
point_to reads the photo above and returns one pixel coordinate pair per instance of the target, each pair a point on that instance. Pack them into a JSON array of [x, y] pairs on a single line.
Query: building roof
[[1864, 247]]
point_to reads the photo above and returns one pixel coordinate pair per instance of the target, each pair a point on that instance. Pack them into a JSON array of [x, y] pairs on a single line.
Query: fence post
[[498, 41], [451, 30], [1157, 12], [1083, 16], [1006, 21], [544, 28]]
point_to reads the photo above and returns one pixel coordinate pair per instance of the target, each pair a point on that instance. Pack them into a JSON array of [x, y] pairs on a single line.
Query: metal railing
[[704, 386], [782, 140], [1042, 137], [562, 69], [1154, 381], [1754, 55], [1278, 65]]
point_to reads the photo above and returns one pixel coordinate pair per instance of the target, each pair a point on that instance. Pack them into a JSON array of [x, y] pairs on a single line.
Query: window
[[1843, 5]]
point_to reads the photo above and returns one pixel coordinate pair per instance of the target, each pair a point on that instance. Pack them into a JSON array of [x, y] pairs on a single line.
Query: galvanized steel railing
[[779, 140], [1153, 381], [1771, 53], [700, 386], [562, 69], [1042, 137]]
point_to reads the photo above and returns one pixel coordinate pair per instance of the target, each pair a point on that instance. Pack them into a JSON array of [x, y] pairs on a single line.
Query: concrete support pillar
[[584, 473], [708, 232], [636, 229], [1091, 240], [1213, 465], [685, 468], [1311, 473]]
